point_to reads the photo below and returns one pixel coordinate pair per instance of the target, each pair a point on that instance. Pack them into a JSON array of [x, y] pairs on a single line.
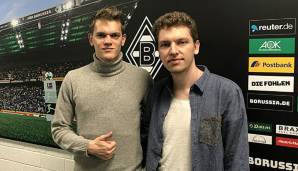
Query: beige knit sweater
[[102, 97]]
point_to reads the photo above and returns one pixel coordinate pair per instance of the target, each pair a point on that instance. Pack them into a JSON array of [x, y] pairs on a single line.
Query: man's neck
[[183, 81], [109, 61]]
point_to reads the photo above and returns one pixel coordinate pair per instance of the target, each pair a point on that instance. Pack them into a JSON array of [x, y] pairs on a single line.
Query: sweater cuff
[[86, 148]]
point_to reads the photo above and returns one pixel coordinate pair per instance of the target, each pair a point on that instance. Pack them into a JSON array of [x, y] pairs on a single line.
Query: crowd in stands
[[35, 71], [23, 91], [22, 97]]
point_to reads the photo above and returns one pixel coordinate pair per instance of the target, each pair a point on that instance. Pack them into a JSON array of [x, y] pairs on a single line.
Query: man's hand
[[101, 147]]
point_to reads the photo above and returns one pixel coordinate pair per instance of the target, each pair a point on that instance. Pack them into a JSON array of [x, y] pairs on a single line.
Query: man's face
[[177, 48], [107, 39]]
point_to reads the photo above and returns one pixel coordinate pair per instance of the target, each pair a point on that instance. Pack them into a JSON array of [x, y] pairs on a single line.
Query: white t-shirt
[[176, 152]]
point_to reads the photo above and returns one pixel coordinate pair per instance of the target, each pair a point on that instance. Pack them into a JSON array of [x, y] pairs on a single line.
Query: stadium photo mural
[[36, 52]]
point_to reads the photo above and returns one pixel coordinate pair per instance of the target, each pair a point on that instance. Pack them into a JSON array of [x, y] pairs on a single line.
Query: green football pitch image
[[30, 129]]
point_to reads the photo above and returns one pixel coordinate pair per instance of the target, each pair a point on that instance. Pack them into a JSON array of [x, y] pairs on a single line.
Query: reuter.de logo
[[142, 51], [283, 26]]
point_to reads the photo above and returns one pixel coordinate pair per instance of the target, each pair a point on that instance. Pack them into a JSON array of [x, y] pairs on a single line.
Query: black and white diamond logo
[[142, 51]]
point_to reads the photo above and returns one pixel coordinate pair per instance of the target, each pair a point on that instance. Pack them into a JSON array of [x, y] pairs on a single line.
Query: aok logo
[[271, 64], [142, 51], [272, 46], [284, 26]]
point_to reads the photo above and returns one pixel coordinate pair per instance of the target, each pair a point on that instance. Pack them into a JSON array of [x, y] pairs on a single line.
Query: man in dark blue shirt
[[198, 119]]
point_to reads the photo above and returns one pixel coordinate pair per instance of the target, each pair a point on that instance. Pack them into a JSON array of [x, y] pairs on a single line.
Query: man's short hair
[[111, 13], [175, 18]]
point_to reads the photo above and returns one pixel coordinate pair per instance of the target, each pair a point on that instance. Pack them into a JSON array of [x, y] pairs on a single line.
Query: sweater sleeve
[[145, 117], [62, 131]]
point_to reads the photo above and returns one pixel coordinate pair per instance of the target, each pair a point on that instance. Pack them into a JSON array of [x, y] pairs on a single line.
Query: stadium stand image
[[53, 42]]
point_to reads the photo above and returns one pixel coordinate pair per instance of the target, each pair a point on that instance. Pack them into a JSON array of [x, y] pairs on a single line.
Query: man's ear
[[197, 47], [123, 39], [90, 38]]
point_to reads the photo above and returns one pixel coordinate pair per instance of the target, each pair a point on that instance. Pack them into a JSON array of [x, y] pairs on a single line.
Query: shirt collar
[[199, 86], [201, 83]]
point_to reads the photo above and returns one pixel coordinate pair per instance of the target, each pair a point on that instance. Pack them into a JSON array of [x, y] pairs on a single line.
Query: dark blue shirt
[[218, 124]]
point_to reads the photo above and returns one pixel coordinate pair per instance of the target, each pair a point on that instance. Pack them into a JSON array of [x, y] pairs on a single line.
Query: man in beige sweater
[[106, 97]]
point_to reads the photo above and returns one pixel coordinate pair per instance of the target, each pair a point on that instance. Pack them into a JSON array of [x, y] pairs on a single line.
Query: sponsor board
[[283, 26], [261, 127], [271, 64], [260, 139], [272, 46], [270, 102], [286, 142], [274, 164], [271, 83], [287, 130]]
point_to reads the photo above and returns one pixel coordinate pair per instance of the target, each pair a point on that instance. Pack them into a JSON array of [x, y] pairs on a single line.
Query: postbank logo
[[272, 46], [271, 64], [142, 51]]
